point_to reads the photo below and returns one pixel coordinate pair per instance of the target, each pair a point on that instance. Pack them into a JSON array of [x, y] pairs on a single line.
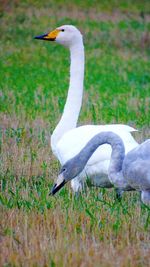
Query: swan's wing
[[73, 141], [142, 152], [137, 174], [136, 166]]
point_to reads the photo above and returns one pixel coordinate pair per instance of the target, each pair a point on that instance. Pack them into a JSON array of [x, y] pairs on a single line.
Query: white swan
[[125, 172], [67, 140]]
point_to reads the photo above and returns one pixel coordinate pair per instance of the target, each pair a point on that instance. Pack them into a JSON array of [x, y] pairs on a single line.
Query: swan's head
[[68, 171], [66, 35]]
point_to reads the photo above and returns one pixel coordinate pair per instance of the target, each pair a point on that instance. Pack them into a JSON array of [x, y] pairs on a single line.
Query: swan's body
[[67, 140], [125, 172]]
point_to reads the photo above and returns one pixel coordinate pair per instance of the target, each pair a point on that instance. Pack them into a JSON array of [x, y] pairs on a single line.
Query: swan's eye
[[62, 30], [64, 169]]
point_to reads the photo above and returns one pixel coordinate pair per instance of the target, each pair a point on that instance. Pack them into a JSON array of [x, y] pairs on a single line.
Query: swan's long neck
[[118, 153], [72, 107]]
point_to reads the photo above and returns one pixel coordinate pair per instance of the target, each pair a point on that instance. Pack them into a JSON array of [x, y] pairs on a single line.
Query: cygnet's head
[[66, 35], [68, 171]]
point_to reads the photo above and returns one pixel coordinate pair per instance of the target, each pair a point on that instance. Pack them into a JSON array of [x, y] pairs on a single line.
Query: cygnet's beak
[[58, 185], [51, 36]]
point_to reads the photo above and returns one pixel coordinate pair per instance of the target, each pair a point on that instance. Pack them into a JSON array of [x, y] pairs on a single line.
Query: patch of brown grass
[[38, 240], [25, 147]]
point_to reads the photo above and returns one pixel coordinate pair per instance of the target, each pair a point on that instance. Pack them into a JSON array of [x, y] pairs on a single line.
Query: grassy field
[[95, 229]]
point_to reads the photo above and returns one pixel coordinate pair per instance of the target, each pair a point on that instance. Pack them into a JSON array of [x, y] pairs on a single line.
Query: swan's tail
[[127, 128]]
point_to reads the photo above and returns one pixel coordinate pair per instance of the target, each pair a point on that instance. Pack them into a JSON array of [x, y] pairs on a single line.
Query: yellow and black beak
[[51, 36]]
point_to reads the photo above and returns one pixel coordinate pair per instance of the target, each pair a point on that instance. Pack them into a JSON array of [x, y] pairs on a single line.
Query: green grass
[[95, 229]]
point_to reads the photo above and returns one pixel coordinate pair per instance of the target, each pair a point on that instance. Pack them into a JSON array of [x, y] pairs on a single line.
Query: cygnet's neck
[[72, 107], [117, 156]]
